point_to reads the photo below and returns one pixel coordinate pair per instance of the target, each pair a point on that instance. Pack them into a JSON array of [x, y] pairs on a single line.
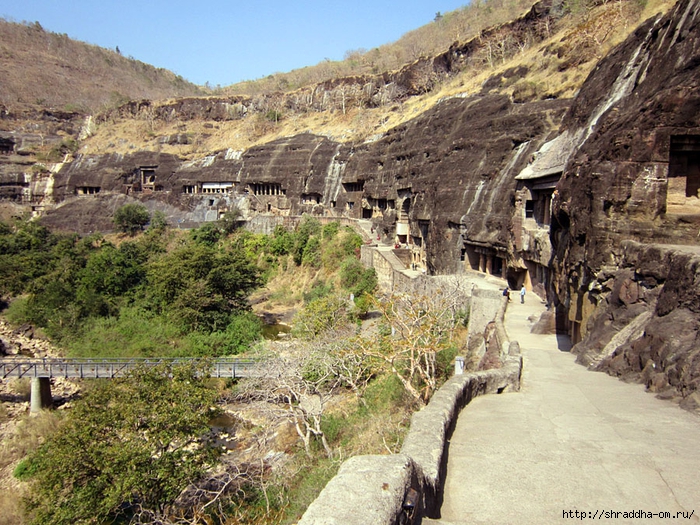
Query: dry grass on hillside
[[557, 68], [428, 40], [41, 68]]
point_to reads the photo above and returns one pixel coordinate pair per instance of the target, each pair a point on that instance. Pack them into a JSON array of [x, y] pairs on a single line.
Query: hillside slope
[[45, 69]]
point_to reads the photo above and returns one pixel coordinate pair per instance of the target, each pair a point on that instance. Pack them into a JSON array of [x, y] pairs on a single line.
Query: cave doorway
[[683, 192]]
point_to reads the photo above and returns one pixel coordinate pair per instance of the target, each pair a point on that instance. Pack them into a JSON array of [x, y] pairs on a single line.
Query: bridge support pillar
[[40, 395]]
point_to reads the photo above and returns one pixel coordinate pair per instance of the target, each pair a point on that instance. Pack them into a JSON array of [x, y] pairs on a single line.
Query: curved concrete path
[[570, 440]]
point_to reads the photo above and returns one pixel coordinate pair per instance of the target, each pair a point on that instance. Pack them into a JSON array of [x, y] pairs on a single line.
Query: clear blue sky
[[224, 42]]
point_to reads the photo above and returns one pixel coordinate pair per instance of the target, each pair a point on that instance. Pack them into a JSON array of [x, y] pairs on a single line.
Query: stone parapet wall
[[373, 489], [431, 427], [483, 329]]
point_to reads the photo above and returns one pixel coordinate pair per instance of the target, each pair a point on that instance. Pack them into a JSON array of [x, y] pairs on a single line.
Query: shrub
[[282, 242], [242, 331], [159, 221], [320, 316], [312, 253], [357, 279], [126, 450], [318, 290], [131, 218], [330, 230]]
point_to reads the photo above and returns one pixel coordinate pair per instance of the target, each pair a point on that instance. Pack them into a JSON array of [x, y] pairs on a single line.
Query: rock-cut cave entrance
[[683, 194]]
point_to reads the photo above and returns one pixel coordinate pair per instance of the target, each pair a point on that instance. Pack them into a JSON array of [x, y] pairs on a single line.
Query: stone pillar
[[40, 394], [489, 264], [482, 262]]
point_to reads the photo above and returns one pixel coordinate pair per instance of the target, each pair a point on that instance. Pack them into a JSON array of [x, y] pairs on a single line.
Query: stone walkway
[[571, 440]]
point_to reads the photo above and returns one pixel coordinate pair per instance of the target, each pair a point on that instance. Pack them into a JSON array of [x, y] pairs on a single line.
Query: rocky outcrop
[[632, 172], [646, 325], [450, 173]]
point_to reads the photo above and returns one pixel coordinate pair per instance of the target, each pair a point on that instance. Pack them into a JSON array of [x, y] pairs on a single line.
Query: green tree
[[230, 220], [200, 286], [357, 279], [159, 221], [126, 450], [282, 242], [131, 218], [308, 227], [113, 271]]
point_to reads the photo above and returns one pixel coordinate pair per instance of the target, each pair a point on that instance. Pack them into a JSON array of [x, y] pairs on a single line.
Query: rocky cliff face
[[450, 174], [632, 140], [447, 175]]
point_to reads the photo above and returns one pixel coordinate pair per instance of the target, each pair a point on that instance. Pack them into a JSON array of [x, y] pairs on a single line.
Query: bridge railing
[[109, 368]]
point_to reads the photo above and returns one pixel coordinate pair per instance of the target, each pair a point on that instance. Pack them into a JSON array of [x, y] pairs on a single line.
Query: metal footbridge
[[41, 371], [109, 368]]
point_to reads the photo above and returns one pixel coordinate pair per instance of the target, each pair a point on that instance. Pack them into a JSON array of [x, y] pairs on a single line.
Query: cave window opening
[[189, 189], [265, 188], [529, 209], [366, 213], [217, 187], [7, 146], [148, 176], [354, 186], [88, 190], [311, 198]]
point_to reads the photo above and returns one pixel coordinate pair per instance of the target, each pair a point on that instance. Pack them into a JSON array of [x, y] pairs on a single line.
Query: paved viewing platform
[[572, 445]]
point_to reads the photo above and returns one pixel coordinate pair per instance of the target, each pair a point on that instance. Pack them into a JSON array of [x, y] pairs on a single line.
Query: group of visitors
[[506, 293]]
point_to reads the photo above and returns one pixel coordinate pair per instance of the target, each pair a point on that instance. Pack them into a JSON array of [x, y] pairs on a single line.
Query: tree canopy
[[127, 449], [131, 218]]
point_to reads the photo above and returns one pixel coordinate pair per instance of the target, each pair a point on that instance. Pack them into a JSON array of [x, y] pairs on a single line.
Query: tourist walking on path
[[522, 294]]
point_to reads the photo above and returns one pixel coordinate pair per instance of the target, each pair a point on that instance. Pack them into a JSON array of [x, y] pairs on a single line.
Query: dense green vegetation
[[164, 292], [125, 451], [137, 450], [154, 295]]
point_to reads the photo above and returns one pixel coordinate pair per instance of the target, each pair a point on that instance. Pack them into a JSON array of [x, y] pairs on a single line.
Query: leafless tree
[[303, 384], [418, 328]]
